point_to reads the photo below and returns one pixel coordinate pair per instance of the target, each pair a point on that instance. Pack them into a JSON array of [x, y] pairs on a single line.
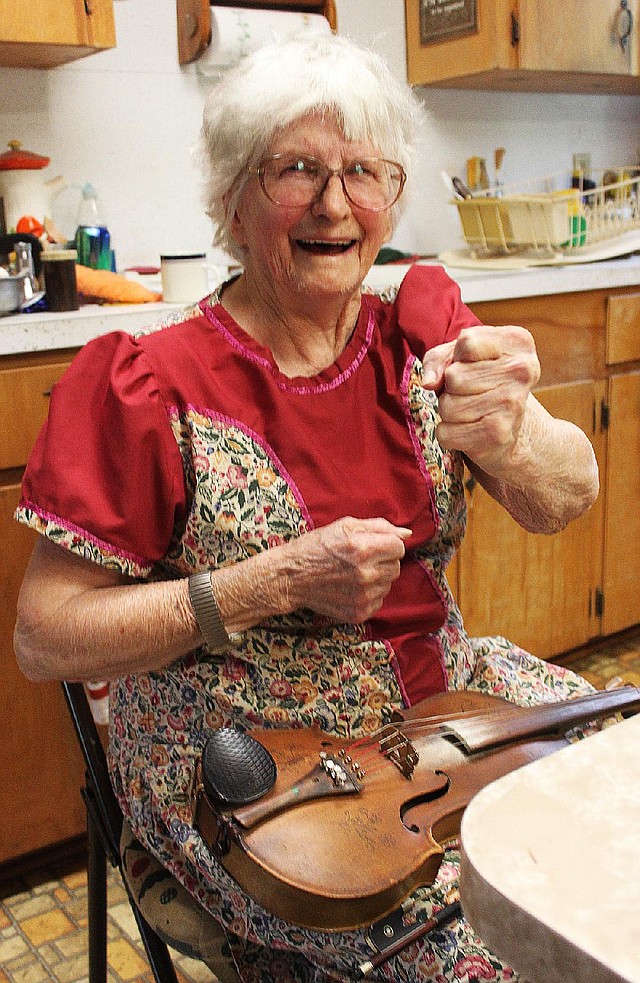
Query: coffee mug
[[184, 278]]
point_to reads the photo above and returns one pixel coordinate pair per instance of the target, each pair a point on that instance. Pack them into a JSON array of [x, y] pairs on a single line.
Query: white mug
[[184, 278]]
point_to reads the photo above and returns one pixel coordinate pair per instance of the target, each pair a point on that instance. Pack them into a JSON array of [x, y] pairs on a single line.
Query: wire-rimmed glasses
[[297, 180]]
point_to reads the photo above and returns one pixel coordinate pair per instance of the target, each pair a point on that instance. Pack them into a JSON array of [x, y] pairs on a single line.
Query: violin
[[333, 835]]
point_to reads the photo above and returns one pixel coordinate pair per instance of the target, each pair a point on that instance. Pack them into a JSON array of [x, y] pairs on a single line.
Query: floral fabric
[[231, 496]]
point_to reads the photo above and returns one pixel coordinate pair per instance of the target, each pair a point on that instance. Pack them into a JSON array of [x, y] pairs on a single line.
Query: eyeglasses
[[295, 180]]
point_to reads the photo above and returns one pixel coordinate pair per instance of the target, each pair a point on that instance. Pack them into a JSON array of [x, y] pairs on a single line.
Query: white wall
[[125, 121]]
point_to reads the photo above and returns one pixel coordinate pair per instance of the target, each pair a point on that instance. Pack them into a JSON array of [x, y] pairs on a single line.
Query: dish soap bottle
[[93, 241]]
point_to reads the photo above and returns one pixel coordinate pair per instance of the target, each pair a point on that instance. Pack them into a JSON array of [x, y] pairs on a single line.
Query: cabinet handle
[[515, 30], [88, 7], [47, 393], [624, 24]]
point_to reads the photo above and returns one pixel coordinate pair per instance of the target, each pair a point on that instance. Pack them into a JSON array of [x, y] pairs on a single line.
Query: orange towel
[[103, 286]]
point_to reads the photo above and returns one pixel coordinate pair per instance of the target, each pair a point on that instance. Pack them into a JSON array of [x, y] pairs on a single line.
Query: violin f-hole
[[430, 795]]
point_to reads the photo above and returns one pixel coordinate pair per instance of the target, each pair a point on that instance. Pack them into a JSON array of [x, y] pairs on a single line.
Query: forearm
[[77, 621], [550, 478]]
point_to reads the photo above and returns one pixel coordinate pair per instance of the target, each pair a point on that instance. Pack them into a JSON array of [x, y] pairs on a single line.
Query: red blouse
[[107, 463]]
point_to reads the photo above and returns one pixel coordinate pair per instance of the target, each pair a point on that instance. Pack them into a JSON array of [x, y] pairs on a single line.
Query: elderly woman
[[247, 511]]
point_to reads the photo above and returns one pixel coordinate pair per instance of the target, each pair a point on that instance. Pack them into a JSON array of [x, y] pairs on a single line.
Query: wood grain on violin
[[333, 835]]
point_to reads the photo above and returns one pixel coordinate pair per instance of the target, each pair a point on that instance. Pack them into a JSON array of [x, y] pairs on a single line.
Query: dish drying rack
[[545, 219]]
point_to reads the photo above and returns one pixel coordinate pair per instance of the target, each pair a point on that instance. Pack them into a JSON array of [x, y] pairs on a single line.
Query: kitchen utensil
[[8, 245], [498, 158], [23, 187], [16, 292], [461, 188]]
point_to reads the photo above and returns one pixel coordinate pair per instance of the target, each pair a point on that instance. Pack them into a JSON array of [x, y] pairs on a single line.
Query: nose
[[332, 200]]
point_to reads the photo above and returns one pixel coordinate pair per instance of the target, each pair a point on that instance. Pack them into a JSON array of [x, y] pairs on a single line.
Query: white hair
[[283, 82]]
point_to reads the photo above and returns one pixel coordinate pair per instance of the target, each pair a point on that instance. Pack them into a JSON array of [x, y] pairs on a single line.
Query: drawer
[[24, 402], [623, 328]]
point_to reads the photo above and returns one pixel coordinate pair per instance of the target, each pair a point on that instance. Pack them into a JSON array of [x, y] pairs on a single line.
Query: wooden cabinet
[[621, 574], [53, 32], [526, 45], [40, 762], [551, 594], [539, 591]]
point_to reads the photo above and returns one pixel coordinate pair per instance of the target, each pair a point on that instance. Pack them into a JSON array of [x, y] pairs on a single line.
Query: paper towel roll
[[235, 31]]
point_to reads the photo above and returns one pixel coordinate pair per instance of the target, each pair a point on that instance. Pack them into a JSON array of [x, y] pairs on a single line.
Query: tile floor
[[43, 935], [43, 932]]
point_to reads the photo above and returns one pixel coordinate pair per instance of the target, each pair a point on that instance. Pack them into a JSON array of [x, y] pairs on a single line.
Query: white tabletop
[[551, 862]]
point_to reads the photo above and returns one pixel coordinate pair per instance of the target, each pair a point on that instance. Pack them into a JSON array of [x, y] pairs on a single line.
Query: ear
[[389, 230], [236, 227]]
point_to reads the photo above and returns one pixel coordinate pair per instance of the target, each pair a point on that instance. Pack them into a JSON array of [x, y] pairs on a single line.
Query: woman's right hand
[[345, 570]]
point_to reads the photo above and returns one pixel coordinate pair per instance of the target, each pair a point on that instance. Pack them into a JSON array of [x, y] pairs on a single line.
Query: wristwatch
[[206, 611]]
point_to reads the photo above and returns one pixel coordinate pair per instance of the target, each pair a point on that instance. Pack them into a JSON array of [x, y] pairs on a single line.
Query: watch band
[[206, 611]]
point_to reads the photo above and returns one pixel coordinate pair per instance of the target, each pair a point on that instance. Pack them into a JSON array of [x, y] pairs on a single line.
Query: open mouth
[[325, 247]]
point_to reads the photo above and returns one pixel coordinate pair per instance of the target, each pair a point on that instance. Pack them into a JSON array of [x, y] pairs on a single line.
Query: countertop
[[48, 331]]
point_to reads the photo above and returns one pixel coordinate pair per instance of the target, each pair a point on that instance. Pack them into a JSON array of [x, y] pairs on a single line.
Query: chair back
[[99, 796]]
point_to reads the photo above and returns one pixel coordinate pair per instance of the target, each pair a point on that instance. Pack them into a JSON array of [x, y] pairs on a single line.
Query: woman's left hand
[[542, 469], [483, 380]]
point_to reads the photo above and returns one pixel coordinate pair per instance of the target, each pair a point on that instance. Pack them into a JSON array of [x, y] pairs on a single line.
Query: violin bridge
[[399, 750]]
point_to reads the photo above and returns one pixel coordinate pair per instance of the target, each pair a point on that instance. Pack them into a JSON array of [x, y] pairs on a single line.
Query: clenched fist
[[484, 379]]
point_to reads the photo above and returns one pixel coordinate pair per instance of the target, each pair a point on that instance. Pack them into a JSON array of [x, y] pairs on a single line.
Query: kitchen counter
[[48, 331]]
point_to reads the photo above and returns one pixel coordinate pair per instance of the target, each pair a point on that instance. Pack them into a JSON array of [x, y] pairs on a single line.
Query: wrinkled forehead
[[322, 135]]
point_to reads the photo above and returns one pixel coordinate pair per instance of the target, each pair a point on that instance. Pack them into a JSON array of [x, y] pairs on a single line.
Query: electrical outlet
[[582, 164]]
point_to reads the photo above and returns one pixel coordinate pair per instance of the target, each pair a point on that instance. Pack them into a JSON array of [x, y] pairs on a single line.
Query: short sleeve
[[105, 476], [429, 308]]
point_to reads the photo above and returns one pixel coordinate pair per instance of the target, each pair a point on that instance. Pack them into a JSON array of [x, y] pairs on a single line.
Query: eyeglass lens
[[297, 180]]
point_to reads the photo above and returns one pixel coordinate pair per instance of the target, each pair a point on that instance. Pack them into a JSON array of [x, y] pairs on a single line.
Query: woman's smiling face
[[325, 248]]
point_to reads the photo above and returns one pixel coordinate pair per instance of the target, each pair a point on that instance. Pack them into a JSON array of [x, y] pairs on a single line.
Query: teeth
[[327, 242]]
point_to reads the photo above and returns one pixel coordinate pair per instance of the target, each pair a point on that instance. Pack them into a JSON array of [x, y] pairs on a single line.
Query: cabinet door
[[578, 36], [536, 590], [24, 403], [52, 32], [622, 524], [532, 45], [448, 55], [40, 761]]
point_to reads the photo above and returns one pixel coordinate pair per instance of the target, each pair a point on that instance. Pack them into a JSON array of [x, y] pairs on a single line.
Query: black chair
[[104, 828]]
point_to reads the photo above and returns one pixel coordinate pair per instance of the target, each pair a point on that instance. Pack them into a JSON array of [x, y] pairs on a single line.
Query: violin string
[[435, 726]]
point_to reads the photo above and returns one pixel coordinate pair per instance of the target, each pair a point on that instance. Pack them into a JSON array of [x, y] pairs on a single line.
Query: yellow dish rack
[[544, 217]]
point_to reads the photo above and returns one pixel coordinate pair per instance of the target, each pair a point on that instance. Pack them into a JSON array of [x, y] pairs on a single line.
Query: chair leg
[[96, 903], [157, 953]]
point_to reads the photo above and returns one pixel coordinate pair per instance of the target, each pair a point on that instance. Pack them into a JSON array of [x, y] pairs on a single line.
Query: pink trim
[[395, 665], [79, 531], [417, 447], [257, 439], [231, 339], [268, 365]]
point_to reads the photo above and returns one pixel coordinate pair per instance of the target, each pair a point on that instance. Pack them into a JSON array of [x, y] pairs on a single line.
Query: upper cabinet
[[524, 45], [53, 32]]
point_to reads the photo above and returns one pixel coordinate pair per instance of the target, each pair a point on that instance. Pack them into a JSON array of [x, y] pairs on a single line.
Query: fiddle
[[333, 835]]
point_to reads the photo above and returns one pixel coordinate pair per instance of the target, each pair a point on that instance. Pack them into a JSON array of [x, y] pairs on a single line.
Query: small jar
[[60, 283]]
